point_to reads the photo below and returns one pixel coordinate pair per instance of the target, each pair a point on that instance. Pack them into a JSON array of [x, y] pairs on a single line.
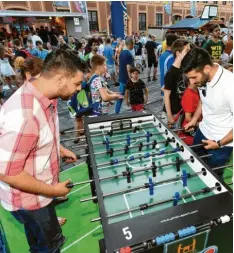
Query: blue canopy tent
[[189, 23], [194, 24]]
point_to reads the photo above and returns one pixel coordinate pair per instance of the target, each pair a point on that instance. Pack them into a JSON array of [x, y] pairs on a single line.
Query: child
[[137, 90], [174, 83], [101, 95], [78, 107], [189, 103]]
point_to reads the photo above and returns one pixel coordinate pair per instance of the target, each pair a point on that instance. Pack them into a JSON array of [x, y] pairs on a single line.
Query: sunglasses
[[203, 92]]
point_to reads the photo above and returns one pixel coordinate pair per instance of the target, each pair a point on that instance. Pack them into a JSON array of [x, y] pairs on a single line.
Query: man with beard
[[216, 106], [215, 46], [94, 49], [30, 150]]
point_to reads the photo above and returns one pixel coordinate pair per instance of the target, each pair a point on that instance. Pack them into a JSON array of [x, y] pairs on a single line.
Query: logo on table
[[191, 248], [211, 249], [188, 248]]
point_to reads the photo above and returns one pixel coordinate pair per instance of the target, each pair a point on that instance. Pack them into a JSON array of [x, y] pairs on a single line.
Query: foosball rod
[[154, 143], [147, 155], [110, 132], [103, 127], [70, 185], [120, 161], [97, 143], [155, 184], [101, 134], [86, 145], [135, 137], [146, 205]]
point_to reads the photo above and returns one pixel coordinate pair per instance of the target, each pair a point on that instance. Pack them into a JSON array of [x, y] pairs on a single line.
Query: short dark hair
[[170, 39], [196, 59], [38, 43], [100, 40], [108, 40], [16, 42], [30, 41], [78, 45], [64, 61], [97, 60], [178, 45], [213, 27], [132, 70]]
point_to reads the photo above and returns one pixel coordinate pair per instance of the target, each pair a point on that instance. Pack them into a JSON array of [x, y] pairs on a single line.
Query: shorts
[[152, 62], [111, 69], [138, 60], [139, 107]]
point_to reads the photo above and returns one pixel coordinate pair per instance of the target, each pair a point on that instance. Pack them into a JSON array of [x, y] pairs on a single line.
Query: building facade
[[141, 14], [145, 14]]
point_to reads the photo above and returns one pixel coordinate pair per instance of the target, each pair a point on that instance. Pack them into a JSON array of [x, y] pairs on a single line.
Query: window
[[215, 2], [142, 21], [224, 2], [159, 17], [93, 21]]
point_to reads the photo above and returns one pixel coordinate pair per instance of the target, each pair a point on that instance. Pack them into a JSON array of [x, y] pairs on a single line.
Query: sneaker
[[149, 80], [155, 78]]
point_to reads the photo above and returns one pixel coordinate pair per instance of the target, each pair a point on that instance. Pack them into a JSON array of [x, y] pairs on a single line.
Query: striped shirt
[[29, 141]]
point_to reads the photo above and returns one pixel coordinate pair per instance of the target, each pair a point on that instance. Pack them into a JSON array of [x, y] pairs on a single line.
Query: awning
[[189, 23], [12, 13]]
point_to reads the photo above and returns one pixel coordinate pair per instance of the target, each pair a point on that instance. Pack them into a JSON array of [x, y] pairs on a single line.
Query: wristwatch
[[220, 145]]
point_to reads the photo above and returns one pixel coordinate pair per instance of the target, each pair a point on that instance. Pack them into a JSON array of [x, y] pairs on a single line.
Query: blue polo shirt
[[125, 59], [165, 62], [33, 51], [109, 53], [42, 54]]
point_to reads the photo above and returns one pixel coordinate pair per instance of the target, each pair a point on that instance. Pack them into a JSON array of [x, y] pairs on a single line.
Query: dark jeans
[[219, 156], [42, 229]]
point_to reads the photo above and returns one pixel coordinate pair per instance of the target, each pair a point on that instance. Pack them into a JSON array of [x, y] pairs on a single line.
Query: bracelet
[[219, 144]]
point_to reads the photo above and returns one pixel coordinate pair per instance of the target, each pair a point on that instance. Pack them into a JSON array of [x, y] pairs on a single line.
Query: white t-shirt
[[101, 49], [217, 106], [224, 58], [36, 38]]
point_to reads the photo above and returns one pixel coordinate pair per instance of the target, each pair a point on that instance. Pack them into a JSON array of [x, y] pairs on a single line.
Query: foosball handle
[[70, 185]]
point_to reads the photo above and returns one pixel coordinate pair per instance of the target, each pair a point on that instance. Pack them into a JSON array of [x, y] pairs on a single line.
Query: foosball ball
[[154, 193]]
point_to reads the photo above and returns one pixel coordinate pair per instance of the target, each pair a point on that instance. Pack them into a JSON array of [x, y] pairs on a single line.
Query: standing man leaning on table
[[30, 150], [216, 88]]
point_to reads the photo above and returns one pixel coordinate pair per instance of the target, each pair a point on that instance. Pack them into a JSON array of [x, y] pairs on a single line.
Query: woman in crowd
[[7, 71]]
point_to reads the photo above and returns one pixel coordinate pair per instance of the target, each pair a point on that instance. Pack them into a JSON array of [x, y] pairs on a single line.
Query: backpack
[[26, 52], [80, 103]]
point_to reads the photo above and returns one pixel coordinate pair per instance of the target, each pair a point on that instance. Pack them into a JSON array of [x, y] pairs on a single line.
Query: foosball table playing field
[[154, 193]]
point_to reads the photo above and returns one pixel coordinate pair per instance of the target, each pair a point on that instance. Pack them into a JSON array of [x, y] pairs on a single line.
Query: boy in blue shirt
[[42, 53], [167, 58], [33, 51], [109, 54], [125, 65]]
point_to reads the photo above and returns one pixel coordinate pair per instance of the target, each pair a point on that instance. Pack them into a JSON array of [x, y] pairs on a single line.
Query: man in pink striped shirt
[[30, 150]]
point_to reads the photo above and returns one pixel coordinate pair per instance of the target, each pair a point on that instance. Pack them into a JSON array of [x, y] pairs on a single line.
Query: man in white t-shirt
[[35, 38], [216, 88]]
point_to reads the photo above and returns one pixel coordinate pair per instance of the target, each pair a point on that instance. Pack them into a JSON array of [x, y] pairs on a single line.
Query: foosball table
[[154, 193]]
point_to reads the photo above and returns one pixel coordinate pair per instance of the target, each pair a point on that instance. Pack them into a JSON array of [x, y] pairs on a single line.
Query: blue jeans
[[219, 156], [119, 102], [42, 229]]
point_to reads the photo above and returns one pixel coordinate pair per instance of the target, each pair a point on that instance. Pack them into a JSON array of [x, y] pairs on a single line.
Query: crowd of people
[[41, 65]]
